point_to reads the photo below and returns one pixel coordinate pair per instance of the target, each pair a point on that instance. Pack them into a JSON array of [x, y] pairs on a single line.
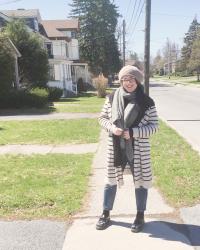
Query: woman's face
[[129, 83]]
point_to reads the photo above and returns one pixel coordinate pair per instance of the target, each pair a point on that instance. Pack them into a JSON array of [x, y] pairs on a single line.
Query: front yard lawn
[[85, 103], [176, 167], [38, 186], [49, 132]]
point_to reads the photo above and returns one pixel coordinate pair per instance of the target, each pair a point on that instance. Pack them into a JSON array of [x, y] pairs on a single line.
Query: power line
[[133, 14], [136, 22], [129, 5], [8, 2]]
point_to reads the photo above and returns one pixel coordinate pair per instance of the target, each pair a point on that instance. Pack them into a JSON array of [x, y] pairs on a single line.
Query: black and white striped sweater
[[142, 162]]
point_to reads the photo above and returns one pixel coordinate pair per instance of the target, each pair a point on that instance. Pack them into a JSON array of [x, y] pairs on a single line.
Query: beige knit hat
[[131, 71]]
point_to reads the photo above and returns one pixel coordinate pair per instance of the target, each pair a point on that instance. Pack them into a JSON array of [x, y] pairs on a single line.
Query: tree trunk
[[198, 72]]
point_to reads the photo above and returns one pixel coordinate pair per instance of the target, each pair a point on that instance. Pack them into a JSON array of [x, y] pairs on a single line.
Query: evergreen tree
[[98, 45], [190, 37], [194, 62]]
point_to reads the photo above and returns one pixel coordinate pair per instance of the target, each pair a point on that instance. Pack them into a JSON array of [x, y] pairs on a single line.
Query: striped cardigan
[[142, 162]]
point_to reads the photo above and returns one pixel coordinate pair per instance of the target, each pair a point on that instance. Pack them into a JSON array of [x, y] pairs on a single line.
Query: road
[[180, 106]]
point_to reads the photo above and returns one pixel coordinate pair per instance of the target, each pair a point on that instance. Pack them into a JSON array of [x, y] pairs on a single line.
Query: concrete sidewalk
[[163, 228], [49, 149]]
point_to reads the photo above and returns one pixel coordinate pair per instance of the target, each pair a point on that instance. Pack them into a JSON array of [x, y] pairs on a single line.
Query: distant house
[[3, 20], [31, 17], [60, 40], [63, 52]]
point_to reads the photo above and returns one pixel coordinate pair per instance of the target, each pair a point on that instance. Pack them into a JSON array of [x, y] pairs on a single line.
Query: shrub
[[100, 84], [38, 97], [54, 93], [35, 98]]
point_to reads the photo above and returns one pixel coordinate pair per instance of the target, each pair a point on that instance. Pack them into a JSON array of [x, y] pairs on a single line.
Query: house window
[[73, 34], [49, 50], [67, 50], [51, 72]]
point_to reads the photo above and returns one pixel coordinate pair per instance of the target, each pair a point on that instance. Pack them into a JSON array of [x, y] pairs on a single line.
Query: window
[[73, 35]]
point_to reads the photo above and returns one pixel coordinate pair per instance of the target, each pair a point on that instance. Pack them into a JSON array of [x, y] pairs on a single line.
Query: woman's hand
[[126, 134], [116, 131]]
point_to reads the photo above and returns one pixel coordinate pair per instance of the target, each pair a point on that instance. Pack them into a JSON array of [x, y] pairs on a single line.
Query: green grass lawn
[[41, 186], [178, 79], [86, 103], [49, 132], [176, 167]]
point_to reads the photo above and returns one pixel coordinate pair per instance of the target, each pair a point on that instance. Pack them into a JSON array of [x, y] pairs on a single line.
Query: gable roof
[[22, 13], [5, 17], [53, 27]]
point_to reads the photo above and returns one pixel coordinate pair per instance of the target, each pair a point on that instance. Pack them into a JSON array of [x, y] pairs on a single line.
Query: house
[[16, 54], [3, 19], [65, 68], [31, 17], [60, 40]]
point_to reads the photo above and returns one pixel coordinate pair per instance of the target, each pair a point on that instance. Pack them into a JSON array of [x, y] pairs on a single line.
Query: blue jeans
[[110, 193]]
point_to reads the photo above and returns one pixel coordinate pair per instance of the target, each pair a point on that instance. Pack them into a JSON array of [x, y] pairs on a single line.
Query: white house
[[64, 54], [60, 40], [31, 17]]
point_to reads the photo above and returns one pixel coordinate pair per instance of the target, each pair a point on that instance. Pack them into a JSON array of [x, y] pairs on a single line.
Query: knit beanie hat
[[131, 71]]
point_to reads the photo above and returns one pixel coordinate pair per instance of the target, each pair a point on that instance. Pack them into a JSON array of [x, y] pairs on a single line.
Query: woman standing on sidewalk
[[129, 116]]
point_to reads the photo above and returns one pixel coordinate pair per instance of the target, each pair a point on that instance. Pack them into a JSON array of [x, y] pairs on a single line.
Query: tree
[[190, 37], [6, 66], [98, 45], [33, 64], [194, 62], [158, 64]]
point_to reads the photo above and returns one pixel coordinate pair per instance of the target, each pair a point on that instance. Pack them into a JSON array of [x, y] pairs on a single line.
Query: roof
[[53, 27], [22, 13], [4, 16], [11, 45]]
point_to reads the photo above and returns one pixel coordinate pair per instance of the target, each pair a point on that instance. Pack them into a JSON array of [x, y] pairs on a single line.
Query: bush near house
[[100, 84], [54, 94], [36, 98]]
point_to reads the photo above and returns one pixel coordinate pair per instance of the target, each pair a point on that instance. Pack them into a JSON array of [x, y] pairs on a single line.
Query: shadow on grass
[[27, 111], [76, 98], [160, 85], [157, 229]]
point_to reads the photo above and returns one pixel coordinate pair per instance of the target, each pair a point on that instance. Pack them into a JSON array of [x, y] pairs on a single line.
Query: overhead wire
[[133, 12], [8, 2], [134, 27]]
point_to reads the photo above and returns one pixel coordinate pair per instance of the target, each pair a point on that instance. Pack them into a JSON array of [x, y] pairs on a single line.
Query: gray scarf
[[124, 117]]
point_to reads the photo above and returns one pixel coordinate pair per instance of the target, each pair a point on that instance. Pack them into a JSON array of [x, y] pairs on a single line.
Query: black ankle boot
[[138, 223], [103, 221]]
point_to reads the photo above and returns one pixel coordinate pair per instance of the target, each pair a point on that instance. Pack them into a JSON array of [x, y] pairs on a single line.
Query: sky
[[169, 19]]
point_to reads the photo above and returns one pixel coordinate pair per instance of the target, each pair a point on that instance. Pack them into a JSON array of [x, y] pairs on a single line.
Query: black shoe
[[138, 223], [103, 222]]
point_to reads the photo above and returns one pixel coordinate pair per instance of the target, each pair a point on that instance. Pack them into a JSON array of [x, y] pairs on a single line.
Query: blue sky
[[170, 18]]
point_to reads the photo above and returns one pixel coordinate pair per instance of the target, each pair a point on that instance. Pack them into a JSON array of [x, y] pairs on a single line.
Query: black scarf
[[143, 102]]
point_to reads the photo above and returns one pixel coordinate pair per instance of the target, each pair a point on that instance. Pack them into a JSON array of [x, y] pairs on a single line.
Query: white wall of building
[[59, 49], [73, 49], [65, 50]]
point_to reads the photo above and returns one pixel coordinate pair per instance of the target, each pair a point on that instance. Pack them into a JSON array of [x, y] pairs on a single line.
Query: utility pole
[[147, 46], [124, 42]]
